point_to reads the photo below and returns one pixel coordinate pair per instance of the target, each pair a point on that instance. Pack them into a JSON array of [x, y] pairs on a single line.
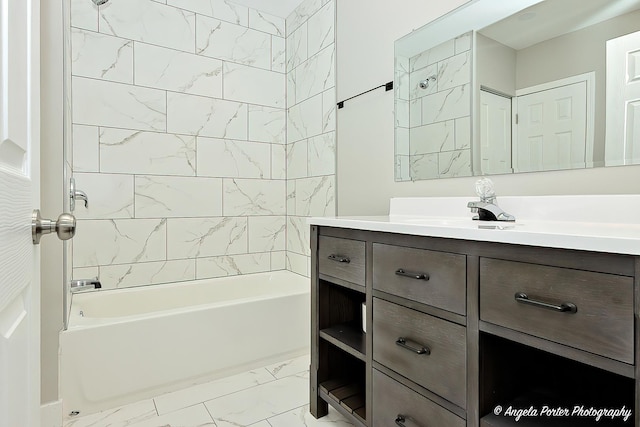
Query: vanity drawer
[[603, 319], [398, 270], [441, 368], [393, 401], [342, 258]]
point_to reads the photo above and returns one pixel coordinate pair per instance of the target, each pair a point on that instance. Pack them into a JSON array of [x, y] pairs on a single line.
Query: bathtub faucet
[[82, 285]]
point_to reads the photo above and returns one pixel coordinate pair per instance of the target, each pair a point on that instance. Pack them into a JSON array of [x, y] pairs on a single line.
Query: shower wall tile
[[423, 166], [463, 133], [232, 265], [204, 237], [322, 155], [253, 85], [402, 142], [429, 73], [101, 103], [86, 151], [291, 196], [220, 9], [147, 273], [316, 74], [291, 89], [111, 196], [145, 21], [201, 116], [170, 197], [402, 113], [278, 54], [124, 241], [298, 235], [84, 14], [235, 43], [432, 138], [278, 162], [316, 196], [299, 264], [146, 153], [329, 110], [297, 51], [402, 168], [101, 56], [304, 119], [177, 71], [278, 260], [262, 21], [321, 33], [455, 163], [302, 14], [433, 55], [253, 197], [234, 159], [402, 75], [267, 124], [450, 104], [454, 71], [297, 160], [415, 112], [463, 43], [267, 233]]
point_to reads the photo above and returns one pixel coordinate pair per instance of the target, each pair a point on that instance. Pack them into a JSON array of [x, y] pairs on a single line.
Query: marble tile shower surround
[[204, 134], [435, 120]]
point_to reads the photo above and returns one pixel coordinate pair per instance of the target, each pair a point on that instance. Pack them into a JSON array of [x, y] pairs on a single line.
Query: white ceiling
[[281, 8]]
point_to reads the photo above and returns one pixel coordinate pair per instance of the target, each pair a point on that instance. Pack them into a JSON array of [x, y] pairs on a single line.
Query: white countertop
[[592, 223]]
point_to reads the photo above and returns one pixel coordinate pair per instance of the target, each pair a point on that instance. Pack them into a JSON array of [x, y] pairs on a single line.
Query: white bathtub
[[132, 344]]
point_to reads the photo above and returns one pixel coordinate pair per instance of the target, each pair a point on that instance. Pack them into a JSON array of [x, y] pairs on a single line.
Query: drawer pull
[[339, 258], [565, 307], [401, 419], [402, 342], [417, 276]]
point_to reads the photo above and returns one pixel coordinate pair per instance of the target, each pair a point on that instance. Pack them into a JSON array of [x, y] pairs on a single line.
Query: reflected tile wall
[[311, 143], [438, 117], [168, 128]]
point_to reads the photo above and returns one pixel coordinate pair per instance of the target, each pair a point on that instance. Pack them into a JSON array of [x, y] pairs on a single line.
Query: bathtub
[[126, 345]]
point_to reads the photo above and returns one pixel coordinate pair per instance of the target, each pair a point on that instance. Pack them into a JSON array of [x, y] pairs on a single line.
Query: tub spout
[[82, 285]]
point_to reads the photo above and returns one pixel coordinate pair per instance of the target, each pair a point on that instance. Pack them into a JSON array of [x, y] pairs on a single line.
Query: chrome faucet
[[82, 285], [487, 208]]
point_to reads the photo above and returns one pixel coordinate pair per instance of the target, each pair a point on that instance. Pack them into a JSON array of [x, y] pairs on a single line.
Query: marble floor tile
[[301, 417], [118, 417], [258, 403], [194, 416], [290, 367], [202, 392]]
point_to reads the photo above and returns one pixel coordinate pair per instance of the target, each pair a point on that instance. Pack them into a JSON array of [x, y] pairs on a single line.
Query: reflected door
[[622, 138], [495, 133], [551, 129]]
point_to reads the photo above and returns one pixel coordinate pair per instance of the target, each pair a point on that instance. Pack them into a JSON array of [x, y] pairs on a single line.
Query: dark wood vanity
[[464, 333]]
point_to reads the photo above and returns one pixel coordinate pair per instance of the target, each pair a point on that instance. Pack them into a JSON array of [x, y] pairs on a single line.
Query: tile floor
[[273, 396]]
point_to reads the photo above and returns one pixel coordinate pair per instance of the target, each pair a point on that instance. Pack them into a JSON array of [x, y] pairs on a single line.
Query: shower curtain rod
[[387, 87]]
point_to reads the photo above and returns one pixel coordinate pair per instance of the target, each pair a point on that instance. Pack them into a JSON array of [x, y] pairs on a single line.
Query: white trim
[[51, 414]]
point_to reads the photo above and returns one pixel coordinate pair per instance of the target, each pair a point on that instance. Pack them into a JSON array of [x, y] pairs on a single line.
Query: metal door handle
[[419, 349], [75, 194], [412, 275], [339, 258], [65, 226]]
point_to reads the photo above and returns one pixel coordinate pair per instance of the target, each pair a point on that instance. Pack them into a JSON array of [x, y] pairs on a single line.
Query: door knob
[[65, 226]]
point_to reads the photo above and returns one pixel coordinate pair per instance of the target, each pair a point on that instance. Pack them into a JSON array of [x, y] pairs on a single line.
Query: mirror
[[500, 87]]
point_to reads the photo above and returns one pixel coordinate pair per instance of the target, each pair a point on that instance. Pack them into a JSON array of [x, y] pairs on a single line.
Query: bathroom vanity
[[474, 323]]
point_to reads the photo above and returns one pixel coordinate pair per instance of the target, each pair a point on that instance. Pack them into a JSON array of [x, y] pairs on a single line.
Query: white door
[[622, 135], [19, 194], [551, 129], [495, 133]]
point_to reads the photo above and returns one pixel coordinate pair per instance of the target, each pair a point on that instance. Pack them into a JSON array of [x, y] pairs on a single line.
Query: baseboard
[[51, 414]]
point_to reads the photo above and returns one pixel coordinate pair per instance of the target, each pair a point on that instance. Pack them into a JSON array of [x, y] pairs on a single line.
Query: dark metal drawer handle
[[400, 420], [565, 307], [339, 258], [418, 276], [419, 349]]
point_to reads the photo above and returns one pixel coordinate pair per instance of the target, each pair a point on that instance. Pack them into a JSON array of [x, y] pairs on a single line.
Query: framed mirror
[[500, 87]]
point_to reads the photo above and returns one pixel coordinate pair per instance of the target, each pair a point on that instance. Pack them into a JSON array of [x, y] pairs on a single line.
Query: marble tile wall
[[179, 138], [311, 124], [433, 126]]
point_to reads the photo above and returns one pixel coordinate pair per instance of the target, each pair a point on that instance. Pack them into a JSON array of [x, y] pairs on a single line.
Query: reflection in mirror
[[554, 86]]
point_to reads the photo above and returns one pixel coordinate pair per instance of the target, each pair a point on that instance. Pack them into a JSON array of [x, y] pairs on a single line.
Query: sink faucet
[[487, 208]]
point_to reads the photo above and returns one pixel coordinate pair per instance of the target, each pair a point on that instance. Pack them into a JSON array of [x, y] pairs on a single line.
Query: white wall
[[365, 175]]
